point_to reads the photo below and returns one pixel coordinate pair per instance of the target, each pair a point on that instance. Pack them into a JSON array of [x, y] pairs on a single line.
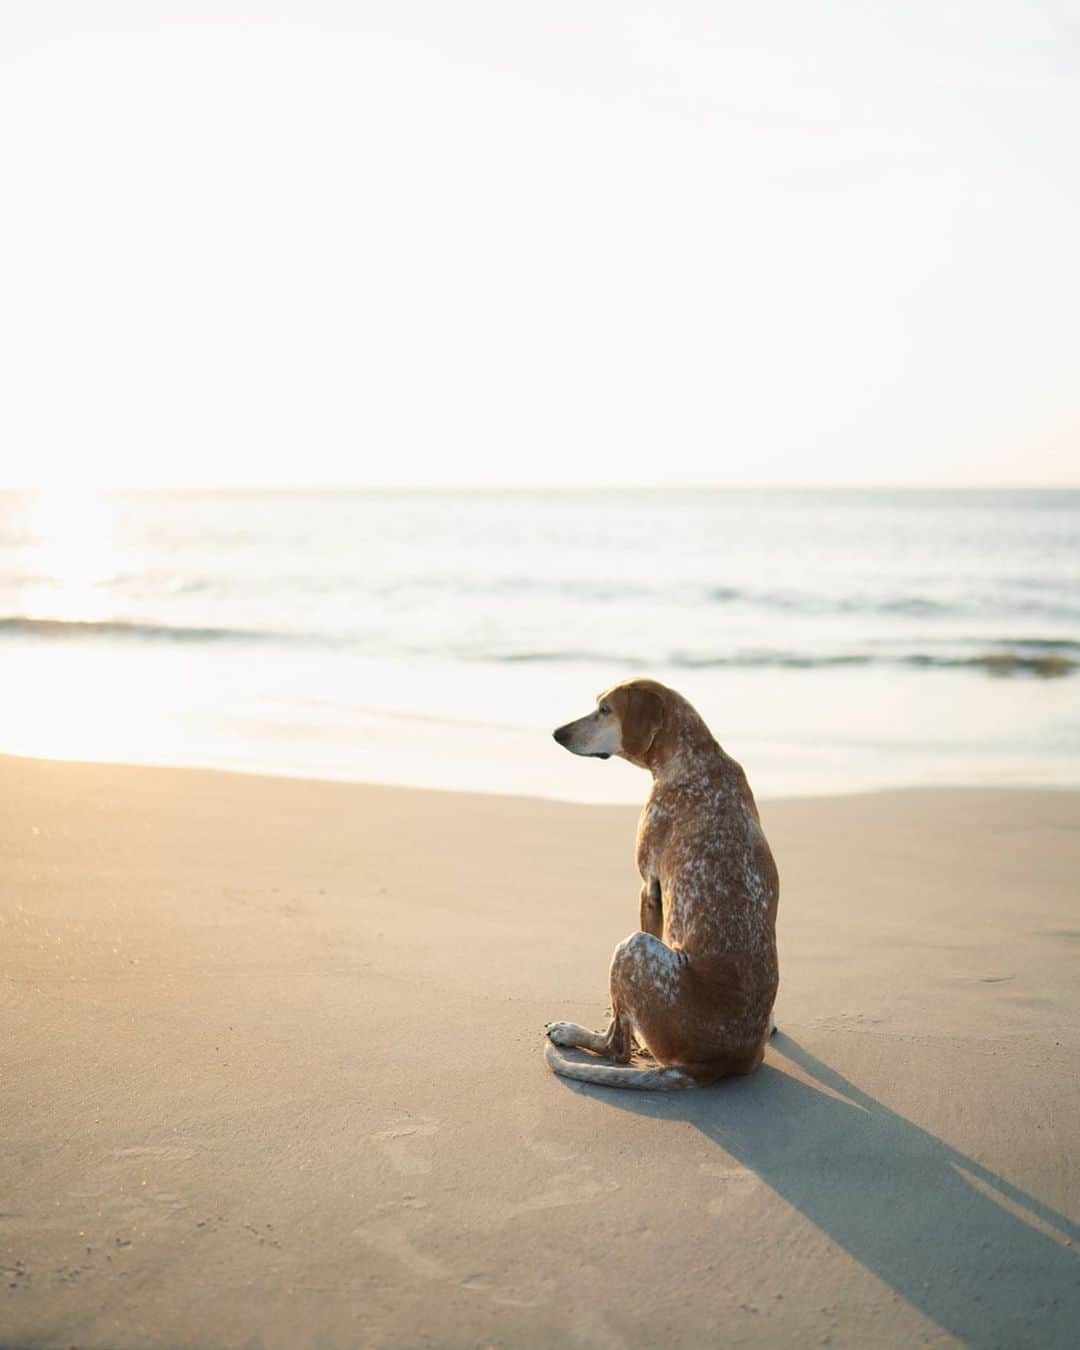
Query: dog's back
[[696, 984], [701, 836]]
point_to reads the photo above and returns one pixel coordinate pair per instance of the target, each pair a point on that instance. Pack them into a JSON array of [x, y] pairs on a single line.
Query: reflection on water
[[60, 707], [69, 555]]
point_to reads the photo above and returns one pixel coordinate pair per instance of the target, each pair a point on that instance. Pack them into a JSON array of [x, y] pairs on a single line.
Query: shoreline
[[617, 802], [460, 726], [274, 1075]]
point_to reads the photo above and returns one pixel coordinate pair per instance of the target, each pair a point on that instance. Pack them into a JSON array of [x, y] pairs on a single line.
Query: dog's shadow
[[987, 1262]]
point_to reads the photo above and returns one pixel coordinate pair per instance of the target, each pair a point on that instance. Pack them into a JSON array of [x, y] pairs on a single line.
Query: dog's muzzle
[[563, 734]]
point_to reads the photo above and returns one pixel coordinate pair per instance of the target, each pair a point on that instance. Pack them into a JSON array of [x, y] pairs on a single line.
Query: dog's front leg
[[651, 913]]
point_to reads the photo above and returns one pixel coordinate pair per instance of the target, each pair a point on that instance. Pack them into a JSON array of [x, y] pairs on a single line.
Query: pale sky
[[548, 242]]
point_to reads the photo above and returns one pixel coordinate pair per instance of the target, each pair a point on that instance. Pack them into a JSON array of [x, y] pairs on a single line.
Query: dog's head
[[628, 719]]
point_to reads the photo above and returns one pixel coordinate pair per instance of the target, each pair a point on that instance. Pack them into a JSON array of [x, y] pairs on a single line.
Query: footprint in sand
[[560, 1197], [167, 1153], [551, 1152], [730, 1186], [407, 1146], [403, 1202]]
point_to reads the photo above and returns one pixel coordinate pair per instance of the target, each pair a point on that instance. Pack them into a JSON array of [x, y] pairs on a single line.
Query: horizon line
[[688, 486]]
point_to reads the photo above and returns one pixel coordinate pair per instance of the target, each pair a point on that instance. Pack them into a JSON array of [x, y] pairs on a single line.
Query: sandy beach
[[272, 1075]]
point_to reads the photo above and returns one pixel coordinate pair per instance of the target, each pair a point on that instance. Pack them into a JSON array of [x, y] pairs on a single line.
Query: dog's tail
[[617, 1075]]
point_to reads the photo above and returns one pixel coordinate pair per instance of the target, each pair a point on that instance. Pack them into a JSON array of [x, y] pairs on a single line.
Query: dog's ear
[[642, 716]]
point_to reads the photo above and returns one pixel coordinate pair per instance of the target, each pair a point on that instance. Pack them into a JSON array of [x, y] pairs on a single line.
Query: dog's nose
[[560, 734]]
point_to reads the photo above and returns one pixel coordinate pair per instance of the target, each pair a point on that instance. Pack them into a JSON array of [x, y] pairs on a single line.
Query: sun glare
[[72, 556], [73, 700]]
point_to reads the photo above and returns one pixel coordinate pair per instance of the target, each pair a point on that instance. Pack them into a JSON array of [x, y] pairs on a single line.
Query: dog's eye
[[605, 708]]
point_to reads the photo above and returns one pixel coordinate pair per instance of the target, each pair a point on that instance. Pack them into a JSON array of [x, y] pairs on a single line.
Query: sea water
[[833, 640]]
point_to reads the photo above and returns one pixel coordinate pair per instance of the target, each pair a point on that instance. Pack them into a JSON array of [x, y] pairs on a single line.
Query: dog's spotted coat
[[695, 986]]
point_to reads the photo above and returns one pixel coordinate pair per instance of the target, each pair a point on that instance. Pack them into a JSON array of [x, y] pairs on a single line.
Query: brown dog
[[696, 986]]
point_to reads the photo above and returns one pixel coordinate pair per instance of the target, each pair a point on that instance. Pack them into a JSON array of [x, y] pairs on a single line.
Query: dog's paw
[[561, 1033]]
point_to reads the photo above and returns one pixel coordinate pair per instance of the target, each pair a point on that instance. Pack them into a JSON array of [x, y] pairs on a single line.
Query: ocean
[[834, 640]]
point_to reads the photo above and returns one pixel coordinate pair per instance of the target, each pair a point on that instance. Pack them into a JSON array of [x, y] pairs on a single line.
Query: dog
[[695, 987]]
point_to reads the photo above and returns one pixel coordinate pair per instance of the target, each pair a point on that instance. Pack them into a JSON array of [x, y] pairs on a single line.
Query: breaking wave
[[1047, 658], [23, 625]]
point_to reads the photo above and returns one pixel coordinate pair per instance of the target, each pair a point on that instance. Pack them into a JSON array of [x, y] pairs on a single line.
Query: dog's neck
[[684, 745], [687, 763]]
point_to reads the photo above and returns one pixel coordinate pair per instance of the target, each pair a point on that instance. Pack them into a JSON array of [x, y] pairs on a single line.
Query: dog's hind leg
[[637, 966], [614, 1044], [571, 1033]]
